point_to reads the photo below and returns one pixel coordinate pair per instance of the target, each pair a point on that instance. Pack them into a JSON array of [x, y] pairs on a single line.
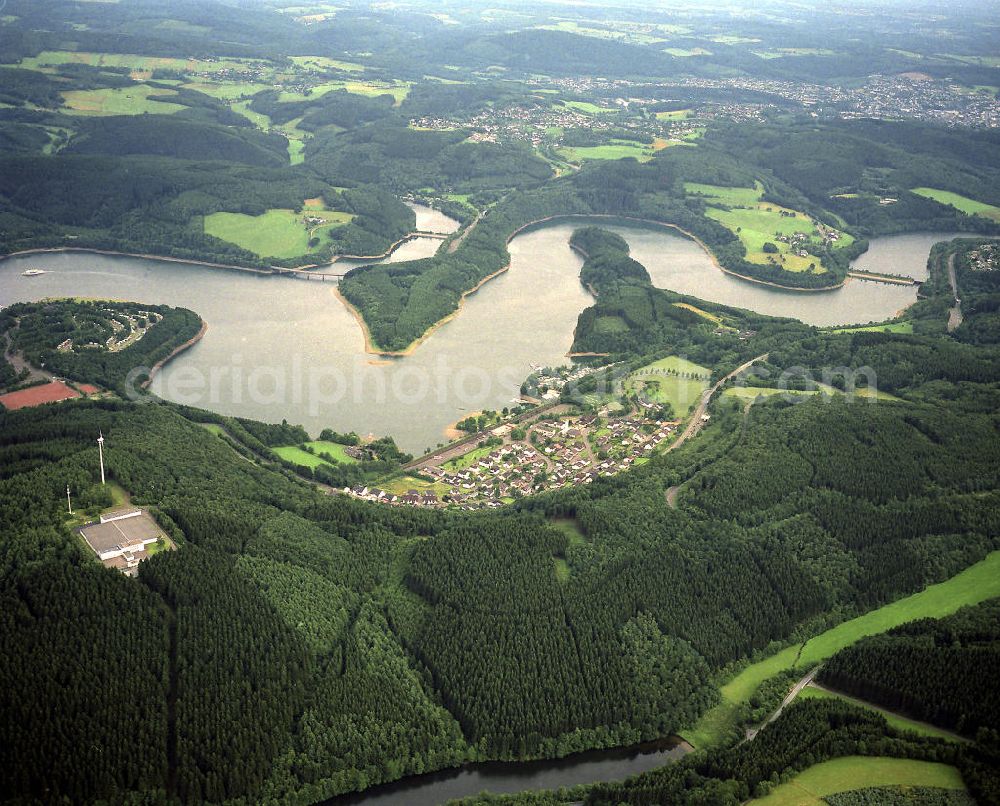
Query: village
[[555, 450]]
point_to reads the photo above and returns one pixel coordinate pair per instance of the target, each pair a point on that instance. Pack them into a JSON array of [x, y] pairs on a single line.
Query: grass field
[[616, 150], [966, 205], [588, 108], [48, 59], [664, 382], [859, 772], [297, 456], [323, 63], [276, 233], [120, 101], [757, 222], [467, 459], [891, 327], [334, 449], [898, 722], [398, 90], [676, 114], [403, 484], [711, 317], [973, 585], [226, 90]]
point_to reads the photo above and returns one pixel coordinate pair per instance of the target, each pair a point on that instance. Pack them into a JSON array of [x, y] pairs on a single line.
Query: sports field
[[588, 108], [276, 233], [859, 772], [135, 100], [963, 203], [51, 392], [973, 585]]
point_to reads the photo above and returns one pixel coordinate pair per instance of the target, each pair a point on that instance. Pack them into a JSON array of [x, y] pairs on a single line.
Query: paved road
[[955, 314], [695, 423], [18, 363], [796, 689]]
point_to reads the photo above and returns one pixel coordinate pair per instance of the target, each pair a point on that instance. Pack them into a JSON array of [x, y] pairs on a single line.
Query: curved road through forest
[[695, 423]]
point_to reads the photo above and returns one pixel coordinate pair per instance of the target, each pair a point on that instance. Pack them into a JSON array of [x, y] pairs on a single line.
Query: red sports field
[[88, 388], [36, 395]]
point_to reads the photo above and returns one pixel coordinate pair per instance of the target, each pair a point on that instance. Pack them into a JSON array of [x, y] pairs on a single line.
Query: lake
[[284, 348], [501, 777]]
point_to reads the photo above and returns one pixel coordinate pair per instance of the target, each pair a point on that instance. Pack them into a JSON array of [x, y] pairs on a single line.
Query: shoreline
[[155, 369], [266, 271], [370, 348]]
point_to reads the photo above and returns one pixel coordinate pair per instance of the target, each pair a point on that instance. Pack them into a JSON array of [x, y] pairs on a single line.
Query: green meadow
[[397, 89], [963, 203], [120, 101], [756, 223], [973, 585], [616, 150], [809, 788], [332, 449], [588, 108], [664, 381], [276, 233]]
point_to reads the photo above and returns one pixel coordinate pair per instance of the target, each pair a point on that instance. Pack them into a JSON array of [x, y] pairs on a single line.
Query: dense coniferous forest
[[938, 670], [301, 644]]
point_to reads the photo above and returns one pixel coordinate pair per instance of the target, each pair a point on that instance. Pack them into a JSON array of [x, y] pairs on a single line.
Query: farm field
[[226, 90], [973, 585], [616, 150], [275, 234], [671, 380], [859, 772], [120, 101], [324, 63], [757, 222], [141, 64], [963, 203], [398, 90], [898, 722], [685, 53]]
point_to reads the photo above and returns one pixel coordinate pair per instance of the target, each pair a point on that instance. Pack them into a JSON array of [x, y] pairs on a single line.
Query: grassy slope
[[963, 203], [120, 101], [681, 393], [973, 585], [859, 772], [276, 233], [756, 222]]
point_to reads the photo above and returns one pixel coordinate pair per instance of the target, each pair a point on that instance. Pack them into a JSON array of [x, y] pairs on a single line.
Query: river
[[284, 348]]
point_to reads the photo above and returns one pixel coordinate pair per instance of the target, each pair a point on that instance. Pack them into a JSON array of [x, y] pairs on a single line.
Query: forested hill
[[305, 645]]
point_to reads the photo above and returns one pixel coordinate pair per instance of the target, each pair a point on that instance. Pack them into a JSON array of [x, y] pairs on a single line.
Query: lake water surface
[[284, 348]]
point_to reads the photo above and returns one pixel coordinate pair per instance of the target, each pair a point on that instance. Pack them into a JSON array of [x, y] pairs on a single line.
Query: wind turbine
[[100, 450]]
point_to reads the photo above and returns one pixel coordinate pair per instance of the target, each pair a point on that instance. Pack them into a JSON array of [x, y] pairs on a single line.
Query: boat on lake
[[33, 272]]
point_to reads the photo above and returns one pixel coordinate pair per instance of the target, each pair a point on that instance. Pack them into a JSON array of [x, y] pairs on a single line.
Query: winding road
[[695, 423]]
